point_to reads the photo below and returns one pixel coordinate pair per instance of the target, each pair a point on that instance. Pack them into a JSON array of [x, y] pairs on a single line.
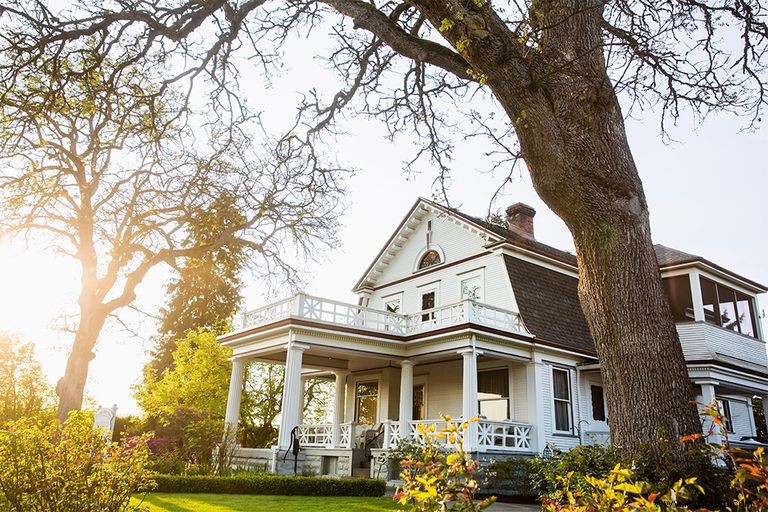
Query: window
[[472, 288], [598, 403], [366, 402], [392, 305], [428, 302], [561, 391], [678, 290], [430, 259], [725, 411], [728, 308], [493, 394], [418, 402]]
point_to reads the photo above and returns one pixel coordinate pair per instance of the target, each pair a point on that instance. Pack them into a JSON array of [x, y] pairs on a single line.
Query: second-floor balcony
[[316, 309]]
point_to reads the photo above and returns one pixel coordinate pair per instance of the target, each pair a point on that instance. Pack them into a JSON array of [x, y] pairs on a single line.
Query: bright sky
[[707, 196]]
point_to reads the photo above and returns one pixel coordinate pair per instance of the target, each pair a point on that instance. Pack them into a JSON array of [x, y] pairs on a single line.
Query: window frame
[[478, 273], [364, 380], [715, 317], [423, 252], [507, 398], [592, 387], [569, 401], [392, 297], [433, 287], [724, 408]]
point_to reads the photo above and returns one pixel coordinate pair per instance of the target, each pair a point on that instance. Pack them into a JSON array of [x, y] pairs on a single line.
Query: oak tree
[[98, 163], [554, 70]]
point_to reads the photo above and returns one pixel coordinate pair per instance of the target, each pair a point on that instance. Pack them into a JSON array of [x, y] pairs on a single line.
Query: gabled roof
[[666, 256], [407, 227]]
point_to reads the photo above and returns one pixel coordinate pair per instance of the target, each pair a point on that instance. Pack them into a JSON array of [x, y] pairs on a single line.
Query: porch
[[392, 373]]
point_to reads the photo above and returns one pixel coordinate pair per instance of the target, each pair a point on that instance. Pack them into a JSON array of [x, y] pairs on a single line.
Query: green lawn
[[261, 503]]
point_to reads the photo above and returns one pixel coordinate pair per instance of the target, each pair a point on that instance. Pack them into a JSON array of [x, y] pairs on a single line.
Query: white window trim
[[422, 252], [361, 379], [398, 296], [421, 380], [434, 286], [471, 274], [570, 400]]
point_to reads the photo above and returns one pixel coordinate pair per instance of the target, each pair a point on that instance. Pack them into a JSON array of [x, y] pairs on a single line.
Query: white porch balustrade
[[321, 435], [500, 436], [312, 308]]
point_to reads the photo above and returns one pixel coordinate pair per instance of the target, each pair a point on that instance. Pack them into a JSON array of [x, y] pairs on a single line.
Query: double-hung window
[[561, 392], [366, 402]]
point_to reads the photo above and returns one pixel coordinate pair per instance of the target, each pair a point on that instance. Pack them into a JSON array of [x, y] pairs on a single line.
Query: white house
[[457, 316]]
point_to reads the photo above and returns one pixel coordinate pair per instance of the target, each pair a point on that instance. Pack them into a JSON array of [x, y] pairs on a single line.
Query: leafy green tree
[[24, 391], [186, 403], [205, 293]]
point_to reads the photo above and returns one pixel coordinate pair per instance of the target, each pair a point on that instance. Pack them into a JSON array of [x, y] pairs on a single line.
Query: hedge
[[270, 484]]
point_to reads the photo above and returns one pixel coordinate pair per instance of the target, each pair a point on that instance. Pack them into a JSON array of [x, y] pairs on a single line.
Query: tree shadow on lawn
[[263, 503]]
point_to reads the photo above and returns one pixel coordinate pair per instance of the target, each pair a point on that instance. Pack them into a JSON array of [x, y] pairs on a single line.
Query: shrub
[[54, 467], [261, 483], [511, 476], [436, 479], [597, 461]]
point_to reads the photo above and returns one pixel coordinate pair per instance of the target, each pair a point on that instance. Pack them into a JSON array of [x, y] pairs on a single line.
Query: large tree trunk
[[71, 386], [570, 126]]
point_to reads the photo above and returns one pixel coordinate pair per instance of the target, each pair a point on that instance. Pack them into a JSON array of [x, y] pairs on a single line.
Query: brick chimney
[[520, 219]]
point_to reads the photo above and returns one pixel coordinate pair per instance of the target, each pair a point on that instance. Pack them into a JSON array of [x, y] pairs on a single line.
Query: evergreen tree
[[205, 293]]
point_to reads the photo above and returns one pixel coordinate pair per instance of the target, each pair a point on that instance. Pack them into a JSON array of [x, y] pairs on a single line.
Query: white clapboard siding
[[456, 241], [703, 341]]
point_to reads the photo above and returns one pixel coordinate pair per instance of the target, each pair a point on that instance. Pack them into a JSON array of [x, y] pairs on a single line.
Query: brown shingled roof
[[549, 304]]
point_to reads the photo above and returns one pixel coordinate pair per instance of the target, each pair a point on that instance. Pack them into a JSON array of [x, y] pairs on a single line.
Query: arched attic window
[[430, 259]]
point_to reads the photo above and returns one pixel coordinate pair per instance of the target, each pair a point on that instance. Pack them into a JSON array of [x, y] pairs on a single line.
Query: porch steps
[[361, 472]]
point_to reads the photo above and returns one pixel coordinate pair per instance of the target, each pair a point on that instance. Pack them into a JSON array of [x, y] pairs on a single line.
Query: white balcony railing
[[349, 315]]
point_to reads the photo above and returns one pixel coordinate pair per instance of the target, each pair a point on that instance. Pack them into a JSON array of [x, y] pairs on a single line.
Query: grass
[[260, 503]]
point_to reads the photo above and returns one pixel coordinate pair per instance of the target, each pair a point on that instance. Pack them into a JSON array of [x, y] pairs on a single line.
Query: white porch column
[[292, 394], [406, 398], [232, 416], [536, 403], [469, 396], [698, 301], [707, 395], [338, 405], [303, 402]]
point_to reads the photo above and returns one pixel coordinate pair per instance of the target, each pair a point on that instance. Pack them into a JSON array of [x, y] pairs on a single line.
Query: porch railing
[[328, 311], [321, 435], [491, 435]]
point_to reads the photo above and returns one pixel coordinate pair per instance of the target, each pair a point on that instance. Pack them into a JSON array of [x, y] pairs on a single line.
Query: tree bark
[[71, 386], [571, 130]]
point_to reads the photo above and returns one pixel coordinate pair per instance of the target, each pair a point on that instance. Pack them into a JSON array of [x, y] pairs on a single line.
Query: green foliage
[[510, 476], [620, 491], [186, 404], [205, 294], [546, 473], [438, 479], [24, 392], [61, 468], [261, 483]]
